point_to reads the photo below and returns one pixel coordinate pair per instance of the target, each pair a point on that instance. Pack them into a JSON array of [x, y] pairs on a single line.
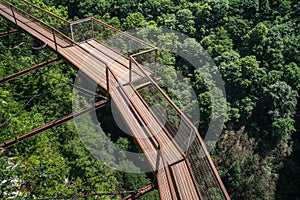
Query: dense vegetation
[[255, 45]]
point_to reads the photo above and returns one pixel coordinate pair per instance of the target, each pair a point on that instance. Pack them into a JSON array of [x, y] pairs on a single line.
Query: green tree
[[254, 37], [134, 20], [249, 8], [291, 75], [156, 9], [185, 21], [217, 42]]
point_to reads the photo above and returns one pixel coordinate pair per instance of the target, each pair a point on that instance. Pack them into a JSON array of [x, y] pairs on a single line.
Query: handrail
[[193, 128], [123, 33], [141, 53], [80, 20], [46, 11], [56, 32], [52, 29], [36, 19], [94, 21], [166, 168]]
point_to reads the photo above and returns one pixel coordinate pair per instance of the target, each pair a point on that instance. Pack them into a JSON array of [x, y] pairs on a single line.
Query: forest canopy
[[255, 45]]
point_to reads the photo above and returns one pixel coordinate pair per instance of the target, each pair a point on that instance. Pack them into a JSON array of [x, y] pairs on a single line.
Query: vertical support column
[[189, 144], [130, 69], [107, 79], [13, 12], [155, 62], [72, 33], [93, 31], [158, 157], [54, 39]]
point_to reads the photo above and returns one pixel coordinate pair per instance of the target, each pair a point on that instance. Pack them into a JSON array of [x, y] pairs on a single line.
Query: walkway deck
[[102, 64]]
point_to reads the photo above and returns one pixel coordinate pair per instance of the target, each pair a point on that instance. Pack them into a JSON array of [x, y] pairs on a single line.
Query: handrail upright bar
[[93, 28], [155, 62], [189, 144], [72, 33], [130, 70], [54, 39], [107, 79], [148, 51]]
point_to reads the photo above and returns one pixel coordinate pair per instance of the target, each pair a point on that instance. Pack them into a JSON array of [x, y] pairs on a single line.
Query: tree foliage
[[256, 47]]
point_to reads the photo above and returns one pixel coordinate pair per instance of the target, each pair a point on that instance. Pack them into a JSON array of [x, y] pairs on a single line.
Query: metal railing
[[51, 19], [187, 138], [65, 40], [114, 85], [190, 144], [118, 41]]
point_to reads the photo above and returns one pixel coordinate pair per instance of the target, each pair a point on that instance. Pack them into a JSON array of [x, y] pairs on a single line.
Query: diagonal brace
[[6, 33], [25, 71], [52, 124], [140, 192]]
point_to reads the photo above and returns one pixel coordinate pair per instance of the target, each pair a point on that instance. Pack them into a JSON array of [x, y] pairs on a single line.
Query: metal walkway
[[184, 169]]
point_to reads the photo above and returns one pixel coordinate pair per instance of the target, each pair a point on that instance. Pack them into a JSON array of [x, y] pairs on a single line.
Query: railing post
[[13, 12], [155, 62], [158, 157], [107, 79], [28, 8], [54, 39], [72, 33], [93, 31], [130, 68], [189, 144]]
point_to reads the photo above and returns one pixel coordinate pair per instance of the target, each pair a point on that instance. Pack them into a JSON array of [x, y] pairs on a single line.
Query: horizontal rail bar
[[124, 33], [3, 34], [140, 192], [80, 20], [52, 124], [46, 11], [144, 52]]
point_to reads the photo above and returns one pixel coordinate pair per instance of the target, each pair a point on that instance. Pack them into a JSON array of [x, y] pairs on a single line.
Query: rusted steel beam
[[25, 71], [141, 192], [52, 124], [6, 33]]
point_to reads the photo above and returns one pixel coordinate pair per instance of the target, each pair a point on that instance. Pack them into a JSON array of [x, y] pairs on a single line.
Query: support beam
[[25, 71], [52, 124], [141, 192], [6, 33]]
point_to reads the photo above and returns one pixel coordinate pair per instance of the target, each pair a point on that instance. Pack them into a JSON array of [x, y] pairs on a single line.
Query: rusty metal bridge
[[183, 167]]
